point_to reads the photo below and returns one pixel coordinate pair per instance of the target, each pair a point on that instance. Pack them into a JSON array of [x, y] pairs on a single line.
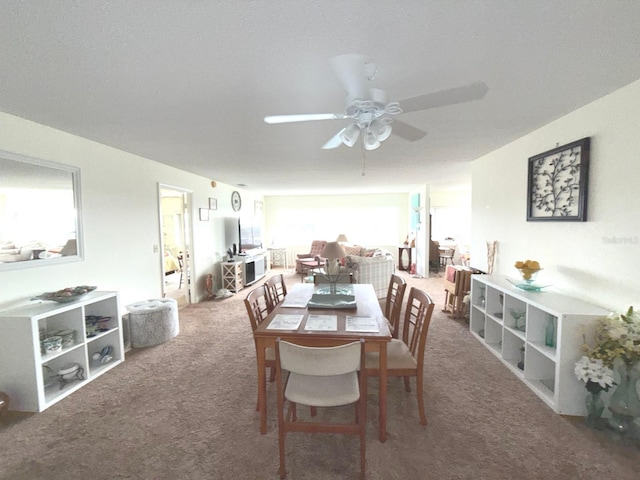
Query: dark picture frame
[[557, 183], [213, 203]]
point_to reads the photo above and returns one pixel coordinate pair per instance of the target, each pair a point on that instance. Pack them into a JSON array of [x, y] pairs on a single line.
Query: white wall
[[120, 218], [597, 260]]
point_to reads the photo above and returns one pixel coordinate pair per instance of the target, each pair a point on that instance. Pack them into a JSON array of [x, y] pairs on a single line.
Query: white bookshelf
[[548, 370], [23, 366]]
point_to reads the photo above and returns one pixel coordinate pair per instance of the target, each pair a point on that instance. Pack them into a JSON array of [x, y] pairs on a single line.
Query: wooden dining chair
[[276, 291], [405, 358], [320, 377], [257, 305], [393, 303]]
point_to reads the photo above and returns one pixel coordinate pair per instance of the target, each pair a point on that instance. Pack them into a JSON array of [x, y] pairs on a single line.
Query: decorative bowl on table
[[66, 295]]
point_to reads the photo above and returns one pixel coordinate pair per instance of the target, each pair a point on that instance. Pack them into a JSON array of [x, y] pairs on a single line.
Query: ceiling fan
[[368, 107]]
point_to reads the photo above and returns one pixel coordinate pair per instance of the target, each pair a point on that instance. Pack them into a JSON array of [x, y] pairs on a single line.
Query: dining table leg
[[262, 387], [383, 392]]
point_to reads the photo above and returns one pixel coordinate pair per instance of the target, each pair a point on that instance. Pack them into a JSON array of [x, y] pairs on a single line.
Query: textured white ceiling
[[187, 83]]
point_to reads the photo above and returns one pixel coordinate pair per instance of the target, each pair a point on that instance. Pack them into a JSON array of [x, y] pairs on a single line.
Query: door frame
[[187, 233]]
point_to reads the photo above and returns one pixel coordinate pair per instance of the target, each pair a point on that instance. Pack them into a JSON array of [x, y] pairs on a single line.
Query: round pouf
[[152, 322]]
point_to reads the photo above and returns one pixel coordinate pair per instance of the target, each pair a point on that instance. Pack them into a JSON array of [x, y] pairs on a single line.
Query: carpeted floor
[[186, 410]]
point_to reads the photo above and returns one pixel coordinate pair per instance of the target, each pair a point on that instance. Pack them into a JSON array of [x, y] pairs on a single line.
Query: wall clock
[[236, 201]]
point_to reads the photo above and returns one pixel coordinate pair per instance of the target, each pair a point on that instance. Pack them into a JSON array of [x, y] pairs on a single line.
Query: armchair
[[317, 246]]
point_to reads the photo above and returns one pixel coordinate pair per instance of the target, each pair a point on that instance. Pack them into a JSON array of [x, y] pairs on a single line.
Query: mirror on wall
[[40, 220]]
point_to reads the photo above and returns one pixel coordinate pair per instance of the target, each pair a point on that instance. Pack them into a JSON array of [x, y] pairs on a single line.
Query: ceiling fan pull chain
[[364, 158]]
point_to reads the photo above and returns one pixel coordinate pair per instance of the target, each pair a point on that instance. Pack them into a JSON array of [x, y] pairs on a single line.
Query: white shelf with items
[[537, 335], [24, 366]]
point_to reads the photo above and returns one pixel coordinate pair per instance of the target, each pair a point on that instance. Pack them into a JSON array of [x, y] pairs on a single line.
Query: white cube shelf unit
[[23, 366], [547, 370]]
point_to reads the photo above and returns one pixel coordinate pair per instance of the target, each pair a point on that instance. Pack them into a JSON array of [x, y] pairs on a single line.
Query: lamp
[[333, 252], [342, 238]]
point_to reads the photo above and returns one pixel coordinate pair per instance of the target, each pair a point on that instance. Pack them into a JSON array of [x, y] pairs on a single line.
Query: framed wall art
[[204, 214], [557, 183], [213, 203]]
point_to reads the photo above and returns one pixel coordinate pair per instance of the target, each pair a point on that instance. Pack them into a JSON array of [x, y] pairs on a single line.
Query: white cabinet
[[232, 273], [537, 335], [23, 365]]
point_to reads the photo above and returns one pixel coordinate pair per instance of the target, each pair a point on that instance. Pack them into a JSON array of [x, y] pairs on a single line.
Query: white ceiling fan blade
[[406, 131], [335, 141], [354, 71], [304, 117], [465, 93]]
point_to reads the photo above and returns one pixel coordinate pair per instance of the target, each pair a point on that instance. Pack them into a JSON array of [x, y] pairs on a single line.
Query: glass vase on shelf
[[550, 332], [481, 299], [625, 403]]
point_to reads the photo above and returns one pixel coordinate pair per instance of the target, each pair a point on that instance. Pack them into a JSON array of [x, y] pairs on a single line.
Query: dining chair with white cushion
[[320, 377]]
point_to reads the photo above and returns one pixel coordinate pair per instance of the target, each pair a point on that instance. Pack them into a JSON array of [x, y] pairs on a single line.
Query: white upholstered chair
[[320, 377]]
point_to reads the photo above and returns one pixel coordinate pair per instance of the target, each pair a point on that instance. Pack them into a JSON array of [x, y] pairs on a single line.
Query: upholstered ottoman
[[152, 322]]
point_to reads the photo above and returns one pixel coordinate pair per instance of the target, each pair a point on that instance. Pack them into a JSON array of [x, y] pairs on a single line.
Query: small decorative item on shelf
[[518, 316], [617, 346], [528, 271], [68, 337], [103, 356], [70, 373], [95, 324], [66, 295], [550, 332], [481, 298], [501, 298], [521, 362], [598, 378], [52, 344]]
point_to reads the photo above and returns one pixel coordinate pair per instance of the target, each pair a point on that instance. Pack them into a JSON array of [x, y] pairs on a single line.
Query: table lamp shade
[[342, 238], [333, 250]]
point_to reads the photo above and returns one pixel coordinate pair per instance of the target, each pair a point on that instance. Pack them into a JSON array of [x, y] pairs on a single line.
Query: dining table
[[292, 320]]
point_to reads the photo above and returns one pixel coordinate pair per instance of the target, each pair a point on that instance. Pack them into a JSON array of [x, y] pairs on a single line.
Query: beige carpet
[[186, 410]]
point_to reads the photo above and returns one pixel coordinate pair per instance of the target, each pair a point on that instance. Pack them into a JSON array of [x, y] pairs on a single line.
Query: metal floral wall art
[[557, 187]]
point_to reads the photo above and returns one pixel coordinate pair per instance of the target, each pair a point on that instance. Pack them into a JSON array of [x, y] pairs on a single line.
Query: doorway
[[175, 243]]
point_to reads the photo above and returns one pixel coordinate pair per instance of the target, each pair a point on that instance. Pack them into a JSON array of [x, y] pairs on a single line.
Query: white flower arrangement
[[617, 336], [595, 374]]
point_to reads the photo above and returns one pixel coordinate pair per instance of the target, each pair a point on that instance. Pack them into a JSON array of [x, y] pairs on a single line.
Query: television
[[245, 234], [250, 234]]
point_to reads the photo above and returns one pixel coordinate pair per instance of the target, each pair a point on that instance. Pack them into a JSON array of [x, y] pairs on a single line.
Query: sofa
[[370, 265]]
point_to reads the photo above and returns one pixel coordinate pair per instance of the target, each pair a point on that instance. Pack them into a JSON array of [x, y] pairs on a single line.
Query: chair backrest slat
[[393, 305], [416, 322], [276, 290], [257, 305]]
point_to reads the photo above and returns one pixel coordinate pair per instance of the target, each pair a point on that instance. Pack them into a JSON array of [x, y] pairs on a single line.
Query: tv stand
[[256, 266], [245, 269]]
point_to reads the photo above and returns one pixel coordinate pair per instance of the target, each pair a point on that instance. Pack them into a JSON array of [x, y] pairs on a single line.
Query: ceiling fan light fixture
[[350, 135], [381, 128], [370, 141]]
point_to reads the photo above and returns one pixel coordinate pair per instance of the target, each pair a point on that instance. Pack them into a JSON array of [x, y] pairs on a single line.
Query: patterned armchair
[[317, 246]]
